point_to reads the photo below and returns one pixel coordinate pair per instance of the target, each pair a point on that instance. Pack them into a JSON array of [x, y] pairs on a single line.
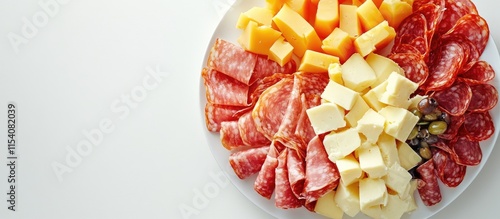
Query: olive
[[414, 142], [445, 117], [416, 112], [423, 123], [427, 105], [413, 133], [423, 133], [437, 127], [433, 115], [432, 139], [425, 152], [424, 144]]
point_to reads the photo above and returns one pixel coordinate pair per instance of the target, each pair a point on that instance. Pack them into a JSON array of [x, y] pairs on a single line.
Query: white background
[[77, 70]]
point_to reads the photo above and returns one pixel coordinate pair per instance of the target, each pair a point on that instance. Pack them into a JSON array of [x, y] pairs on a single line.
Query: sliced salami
[[249, 134], [480, 72], [421, 44], [230, 135], [405, 48], [417, 4], [449, 172], [216, 114], [257, 88], [470, 50], [442, 145], [248, 162], [265, 67], [412, 26], [265, 182], [312, 83], [296, 173], [484, 97], [474, 28], [224, 90], [428, 187], [232, 60], [467, 152], [304, 129], [284, 197], [413, 65], [478, 126], [455, 100], [451, 15], [444, 65], [433, 14], [453, 127]]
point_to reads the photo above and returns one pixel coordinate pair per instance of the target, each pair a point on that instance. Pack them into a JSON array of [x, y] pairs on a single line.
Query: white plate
[[227, 31]]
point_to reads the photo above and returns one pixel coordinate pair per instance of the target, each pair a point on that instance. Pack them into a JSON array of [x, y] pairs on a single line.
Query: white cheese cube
[[410, 198], [395, 207], [371, 162], [397, 178], [371, 125], [373, 211], [335, 73], [383, 67], [347, 198], [357, 111], [326, 117], [388, 149], [337, 93], [357, 74], [327, 207], [349, 169], [408, 158], [340, 144], [413, 102], [398, 122], [398, 90], [372, 192], [372, 96]]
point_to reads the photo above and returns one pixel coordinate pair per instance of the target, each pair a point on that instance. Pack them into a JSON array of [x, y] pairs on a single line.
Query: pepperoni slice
[[304, 129], [452, 130], [474, 28], [232, 60], [248, 162], [478, 126], [417, 4], [451, 15], [265, 67], [470, 51], [428, 187], [433, 14], [296, 173], [413, 65], [444, 66], [284, 197], [412, 26], [420, 43], [313, 83], [405, 48], [230, 135], [484, 97], [249, 134], [265, 182], [442, 145], [449, 172], [224, 90], [467, 152], [455, 100], [480, 72], [216, 114]]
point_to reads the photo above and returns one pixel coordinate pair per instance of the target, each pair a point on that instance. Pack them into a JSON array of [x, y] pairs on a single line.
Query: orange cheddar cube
[[369, 15], [258, 39], [274, 5], [395, 11], [300, 6], [281, 51], [339, 44], [327, 17], [359, 2], [376, 38], [316, 62], [349, 21], [262, 16]]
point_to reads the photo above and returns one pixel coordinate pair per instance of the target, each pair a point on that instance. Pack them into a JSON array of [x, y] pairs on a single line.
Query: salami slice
[[428, 187], [216, 114], [453, 127], [248, 162], [312, 83], [230, 135], [304, 129], [451, 15], [296, 173], [265, 182], [444, 66], [470, 51], [412, 26], [467, 152], [284, 197], [442, 145], [474, 28], [322, 175], [417, 4], [478, 126], [455, 100], [249, 134], [480, 72], [433, 14], [449, 172], [413, 65], [232, 60], [484, 97], [224, 90], [421, 44], [405, 48], [265, 67]]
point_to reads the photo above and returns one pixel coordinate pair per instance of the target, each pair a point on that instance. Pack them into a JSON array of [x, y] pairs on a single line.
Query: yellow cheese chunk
[[300, 6], [349, 21], [397, 179], [408, 158], [281, 51], [357, 111], [340, 144], [372, 96], [316, 62], [274, 5], [371, 125], [376, 38], [398, 90], [335, 73], [297, 31], [398, 122], [395, 11], [371, 162], [347, 198], [388, 149], [383, 67], [327, 207], [327, 17], [369, 15], [410, 2], [373, 211], [359, 2], [342, 96], [326, 117], [357, 74], [339, 44], [349, 169], [413, 102], [372, 192], [258, 39], [412, 205], [262, 16], [395, 207]]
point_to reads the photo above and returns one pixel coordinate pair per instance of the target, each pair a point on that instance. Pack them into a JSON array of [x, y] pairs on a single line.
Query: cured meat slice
[[265, 67], [455, 100], [312, 83], [470, 50], [296, 173], [417, 4], [257, 88], [249, 134], [248, 162], [413, 65], [412, 26], [304, 129], [478, 126], [322, 175], [467, 152], [452, 130], [474, 28], [232, 60], [224, 90], [284, 197], [451, 15], [421, 44], [230, 135], [480, 72], [265, 182], [433, 14], [449, 172], [428, 187], [444, 66], [216, 114], [405, 48], [442, 145], [484, 97]]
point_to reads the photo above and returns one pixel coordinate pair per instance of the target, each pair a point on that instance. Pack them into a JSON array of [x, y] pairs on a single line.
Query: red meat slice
[[216, 114], [478, 126], [284, 197], [224, 90], [484, 97], [449, 172], [230, 135], [452, 130], [296, 173], [474, 28], [413, 65], [249, 134], [455, 100], [248, 162], [444, 65], [467, 152], [265, 182], [480, 72], [428, 187], [265, 67]]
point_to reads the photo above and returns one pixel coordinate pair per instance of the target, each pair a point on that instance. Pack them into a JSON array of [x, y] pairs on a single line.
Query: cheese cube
[[335, 73], [340, 144], [374, 39], [395, 11], [326, 117], [262, 16], [347, 198], [297, 31], [373, 95], [300, 6], [388, 149], [398, 90], [397, 178], [413, 102], [372, 192], [258, 39], [383, 67], [371, 125], [339, 44], [373, 211], [371, 162], [359, 2], [398, 122], [369, 15], [281, 51], [395, 207], [349, 169], [412, 205], [357, 111], [316, 62], [408, 158], [274, 5], [327, 207], [410, 2], [357, 74], [340, 95], [349, 21], [327, 17]]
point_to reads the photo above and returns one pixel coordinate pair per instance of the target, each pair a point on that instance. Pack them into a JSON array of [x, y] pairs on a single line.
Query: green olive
[[423, 123], [432, 116], [413, 133], [425, 153], [416, 112], [437, 127]]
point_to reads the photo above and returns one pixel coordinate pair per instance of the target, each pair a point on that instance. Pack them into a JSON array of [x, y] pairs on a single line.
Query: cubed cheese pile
[[320, 32], [365, 120]]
